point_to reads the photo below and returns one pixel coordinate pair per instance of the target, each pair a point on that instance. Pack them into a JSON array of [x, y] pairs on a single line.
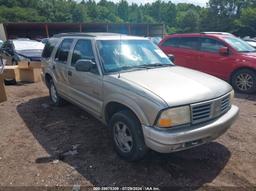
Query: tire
[[126, 130], [14, 62], [55, 98], [244, 81], [10, 82]]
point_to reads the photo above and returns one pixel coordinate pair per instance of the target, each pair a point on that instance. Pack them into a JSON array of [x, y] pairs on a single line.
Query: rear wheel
[[244, 81], [127, 136], [54, 96]]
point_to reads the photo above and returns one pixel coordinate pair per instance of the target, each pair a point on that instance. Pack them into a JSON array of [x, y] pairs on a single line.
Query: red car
[[220, 54]]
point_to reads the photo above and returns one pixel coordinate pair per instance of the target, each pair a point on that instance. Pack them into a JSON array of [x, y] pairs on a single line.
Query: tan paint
[[2, 33]]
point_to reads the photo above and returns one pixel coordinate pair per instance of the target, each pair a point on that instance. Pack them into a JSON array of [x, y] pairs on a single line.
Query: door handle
[[69, 73]]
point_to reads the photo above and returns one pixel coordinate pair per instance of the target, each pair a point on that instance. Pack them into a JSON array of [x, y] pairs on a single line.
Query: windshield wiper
[[157, 65], [248, 51], [144, 66]]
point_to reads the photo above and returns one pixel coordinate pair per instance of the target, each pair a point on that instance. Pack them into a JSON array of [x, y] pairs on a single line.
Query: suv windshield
[[118, 55], [239, 45]]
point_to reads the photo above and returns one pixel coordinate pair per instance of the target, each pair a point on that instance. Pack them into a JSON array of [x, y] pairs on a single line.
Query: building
[[45, 30]]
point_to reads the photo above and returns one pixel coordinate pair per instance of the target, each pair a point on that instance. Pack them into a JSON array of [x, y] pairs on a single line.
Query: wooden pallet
[[3, 96]]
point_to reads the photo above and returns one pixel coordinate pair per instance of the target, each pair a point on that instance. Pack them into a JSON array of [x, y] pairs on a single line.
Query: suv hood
[[178, 85]]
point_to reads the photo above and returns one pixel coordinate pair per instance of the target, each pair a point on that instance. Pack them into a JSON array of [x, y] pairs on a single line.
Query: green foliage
[[246, 24], [18, 14], [238, 16], [188, 21]]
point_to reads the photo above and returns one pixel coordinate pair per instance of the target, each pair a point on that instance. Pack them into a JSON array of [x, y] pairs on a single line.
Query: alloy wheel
[[244, 81], [123, 137], [54, 96]]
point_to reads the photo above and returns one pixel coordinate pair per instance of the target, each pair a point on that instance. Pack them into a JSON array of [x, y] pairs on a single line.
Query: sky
[[201, 3]]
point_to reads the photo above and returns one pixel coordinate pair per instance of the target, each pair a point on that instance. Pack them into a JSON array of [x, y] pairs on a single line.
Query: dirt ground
[[42, 145]]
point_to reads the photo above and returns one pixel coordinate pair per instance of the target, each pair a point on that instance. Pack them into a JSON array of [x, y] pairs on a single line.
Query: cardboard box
[[23, 64], [32, 64], [23, 73], [35, 64], [3, 96], [11, 72], [30, 74]]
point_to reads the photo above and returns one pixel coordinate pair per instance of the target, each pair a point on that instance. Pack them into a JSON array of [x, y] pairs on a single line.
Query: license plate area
[[194, 143]]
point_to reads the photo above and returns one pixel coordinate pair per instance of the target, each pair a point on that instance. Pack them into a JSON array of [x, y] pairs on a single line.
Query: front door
[[185, 50], [211, 61], [85, 87]]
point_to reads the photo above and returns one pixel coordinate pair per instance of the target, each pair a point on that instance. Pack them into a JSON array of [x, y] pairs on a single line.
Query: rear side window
[[63, 51], [171, 42], [49, 46], [210, 45], [189, 43]]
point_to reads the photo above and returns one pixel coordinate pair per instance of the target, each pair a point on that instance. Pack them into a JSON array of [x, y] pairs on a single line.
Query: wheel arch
[[240, 68], [113, 107], [48, 78]]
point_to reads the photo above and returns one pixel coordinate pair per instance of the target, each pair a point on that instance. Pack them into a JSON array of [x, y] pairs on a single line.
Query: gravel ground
[[42, 145]]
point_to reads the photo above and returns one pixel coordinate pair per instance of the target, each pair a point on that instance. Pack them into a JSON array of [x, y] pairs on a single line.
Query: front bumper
[[166, 141]]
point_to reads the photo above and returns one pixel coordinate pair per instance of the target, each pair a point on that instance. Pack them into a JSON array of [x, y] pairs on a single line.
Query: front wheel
[[127, 136], [244, 81], [54, 96]]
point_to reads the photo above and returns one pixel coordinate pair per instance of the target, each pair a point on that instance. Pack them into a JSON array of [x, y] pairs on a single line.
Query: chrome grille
[[225, 103], [201, 112], [205, 111]]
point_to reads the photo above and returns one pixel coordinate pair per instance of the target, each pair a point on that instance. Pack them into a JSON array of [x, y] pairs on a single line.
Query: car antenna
[[119, 55]]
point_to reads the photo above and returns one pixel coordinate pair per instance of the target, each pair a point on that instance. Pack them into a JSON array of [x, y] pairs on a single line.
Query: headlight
[[173, 117]]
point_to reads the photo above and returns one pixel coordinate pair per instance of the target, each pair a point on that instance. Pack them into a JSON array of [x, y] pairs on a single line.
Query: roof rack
[[221, 33], [90, 34], [72, 34]]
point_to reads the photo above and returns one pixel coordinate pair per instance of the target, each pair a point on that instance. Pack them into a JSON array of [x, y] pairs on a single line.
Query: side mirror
[[84, 65], [171, 57], [224, 51]]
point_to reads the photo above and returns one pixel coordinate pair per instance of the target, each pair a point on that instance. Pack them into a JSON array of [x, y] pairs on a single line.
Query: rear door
[[188, 48], [185, 50], [211, 61], [85, 87], [60, 65], [170, 46]]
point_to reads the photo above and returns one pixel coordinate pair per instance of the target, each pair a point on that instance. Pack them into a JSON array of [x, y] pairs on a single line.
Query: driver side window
[[210, 45], [83, 50]]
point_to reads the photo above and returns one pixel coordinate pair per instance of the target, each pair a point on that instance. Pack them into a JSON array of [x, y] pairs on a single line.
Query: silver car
[[130, 85]]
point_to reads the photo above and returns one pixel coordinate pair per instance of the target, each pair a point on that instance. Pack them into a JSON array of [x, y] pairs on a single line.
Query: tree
[[236, 16], [17, 14], [79, 14], [122, 10], [188, 21], [246, 24]]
